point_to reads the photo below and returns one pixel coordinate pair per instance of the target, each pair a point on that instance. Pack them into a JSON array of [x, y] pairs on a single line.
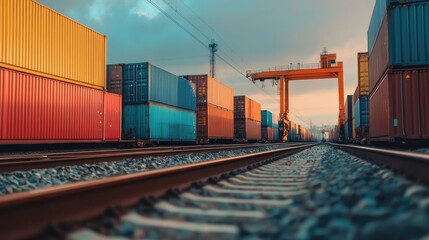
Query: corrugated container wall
[[143, 83], [158, 123], [213, 92], [402, 39], [398, 107], [267, 119], [361, 112], [267, 134], [214, 123], [348, 127], [247, 108], [246, 129], [113, 116], [114, 78], [363, 74], [37, 40], [40, 110], [380, 9]]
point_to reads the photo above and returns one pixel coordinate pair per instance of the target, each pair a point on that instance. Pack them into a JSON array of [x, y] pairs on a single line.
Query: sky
[[252, 35]]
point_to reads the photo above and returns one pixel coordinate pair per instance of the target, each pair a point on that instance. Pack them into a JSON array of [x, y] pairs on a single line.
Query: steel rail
[[26, 214], [413, 164], [37, 161]]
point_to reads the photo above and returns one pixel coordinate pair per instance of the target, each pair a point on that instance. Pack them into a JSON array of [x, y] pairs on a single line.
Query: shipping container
[[247, 108], [361, 111], [276, 134], [35, 109], [247, 130], [154, 122], [214, 124], [363, 74], [398, 108], [143, 83], [266, 118], [212, 92], [348, 127], [402, 40], [37, 40], [267, 134], [380, 9], [114, 78], [113, 116]]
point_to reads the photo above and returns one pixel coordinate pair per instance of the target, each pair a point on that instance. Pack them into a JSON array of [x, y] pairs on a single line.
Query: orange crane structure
[[328, 67]]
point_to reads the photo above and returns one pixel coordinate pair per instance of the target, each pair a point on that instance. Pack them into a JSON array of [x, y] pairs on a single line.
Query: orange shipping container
[[363, 74], [214, 123], [37, 40], [247, 108], [213, 92]]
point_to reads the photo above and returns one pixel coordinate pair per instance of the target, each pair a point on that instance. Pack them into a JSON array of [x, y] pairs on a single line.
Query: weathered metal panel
[[379, 57], [158, 122], [363, 74], [37, 40], [114, 78], [35, 109], [113, 116], [144, 82]]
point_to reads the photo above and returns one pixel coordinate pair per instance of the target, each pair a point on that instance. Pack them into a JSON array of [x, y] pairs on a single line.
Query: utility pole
[[213, 49]]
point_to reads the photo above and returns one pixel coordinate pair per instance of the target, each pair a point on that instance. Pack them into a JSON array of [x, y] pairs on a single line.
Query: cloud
[[144, 9]]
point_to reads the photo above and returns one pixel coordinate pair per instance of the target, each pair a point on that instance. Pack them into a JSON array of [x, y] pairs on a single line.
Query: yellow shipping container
[[37, 40], [363, 74]]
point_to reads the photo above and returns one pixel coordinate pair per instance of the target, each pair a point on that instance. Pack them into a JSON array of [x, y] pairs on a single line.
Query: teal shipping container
[[361, 112], [266, 118], [408, 32], [155, 122], [276, 133], [143, 83], [380, 9]]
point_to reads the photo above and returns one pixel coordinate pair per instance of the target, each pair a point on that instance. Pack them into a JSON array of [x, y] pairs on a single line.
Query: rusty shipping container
[[398, 108], [363, 74], [215, 105], [37, 40], [213, 92], [214, 123], [114, 78], [247, 130], [35, 109], [113, 117], [267, 134], [247, 108]]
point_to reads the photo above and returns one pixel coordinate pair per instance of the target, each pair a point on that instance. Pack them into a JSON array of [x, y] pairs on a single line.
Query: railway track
[[36, 161], [26, 214], [412, 164]]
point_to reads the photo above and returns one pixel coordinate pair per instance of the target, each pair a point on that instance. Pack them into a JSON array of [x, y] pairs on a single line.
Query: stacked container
[[52, 77], [158, 106], [348, 123], [269, 126], [114, 78], [215, 109], [398, 43], [247, 119]]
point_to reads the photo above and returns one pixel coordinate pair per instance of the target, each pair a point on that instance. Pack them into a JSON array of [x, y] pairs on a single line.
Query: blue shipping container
[[266, 118], [408, 37], [361, 112], [158, 122], [380, 9], [143, 82]]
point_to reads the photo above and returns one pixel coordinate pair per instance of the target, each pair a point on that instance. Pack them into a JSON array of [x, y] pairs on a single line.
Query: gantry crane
[[328, 67]]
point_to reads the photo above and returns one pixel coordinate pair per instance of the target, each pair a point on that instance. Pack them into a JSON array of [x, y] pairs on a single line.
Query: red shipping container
[[267, 134], [113, 116], [247, 130], [398, 107], [40, 110], [379, 56], [214, 123]]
